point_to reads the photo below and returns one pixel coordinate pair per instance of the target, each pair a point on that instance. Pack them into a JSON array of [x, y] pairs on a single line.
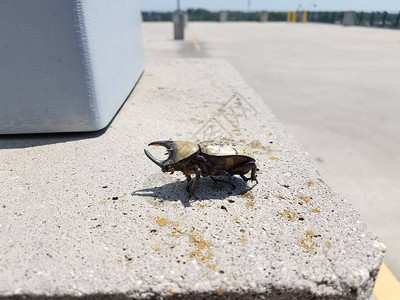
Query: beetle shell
[[225, 149], [184, 150], [211, 158]]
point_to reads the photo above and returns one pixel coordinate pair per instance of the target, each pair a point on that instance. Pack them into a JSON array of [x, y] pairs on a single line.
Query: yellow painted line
[[387, 287], [196, 45]]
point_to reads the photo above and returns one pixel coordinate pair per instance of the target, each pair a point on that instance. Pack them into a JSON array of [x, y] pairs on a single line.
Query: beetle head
[[168, 164]]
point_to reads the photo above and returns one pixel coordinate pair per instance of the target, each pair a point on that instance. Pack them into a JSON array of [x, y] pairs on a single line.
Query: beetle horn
[[158, 162], [169, 145]]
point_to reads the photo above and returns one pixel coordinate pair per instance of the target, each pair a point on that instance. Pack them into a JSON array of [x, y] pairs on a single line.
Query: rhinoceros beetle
[[206, 159]]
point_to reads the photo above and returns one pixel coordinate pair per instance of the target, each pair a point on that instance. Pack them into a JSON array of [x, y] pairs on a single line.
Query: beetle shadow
[[207, 189]]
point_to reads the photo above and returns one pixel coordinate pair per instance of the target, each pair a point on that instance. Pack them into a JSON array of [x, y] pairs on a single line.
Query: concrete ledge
[[90, 215]]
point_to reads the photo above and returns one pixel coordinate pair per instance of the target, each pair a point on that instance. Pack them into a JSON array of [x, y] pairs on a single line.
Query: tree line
[[376, 19]]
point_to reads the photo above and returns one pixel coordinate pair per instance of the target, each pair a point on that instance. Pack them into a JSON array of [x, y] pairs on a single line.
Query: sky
[[274, 5]]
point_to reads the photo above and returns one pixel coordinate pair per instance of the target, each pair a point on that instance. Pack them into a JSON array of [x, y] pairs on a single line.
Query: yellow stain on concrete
[[196, 45], [162, 222], [387, 287]]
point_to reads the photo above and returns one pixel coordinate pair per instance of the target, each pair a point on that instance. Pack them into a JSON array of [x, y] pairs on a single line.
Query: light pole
[[179, 22], [311, 4]]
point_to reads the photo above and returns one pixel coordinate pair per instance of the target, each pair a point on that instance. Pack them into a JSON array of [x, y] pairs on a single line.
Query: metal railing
[[373, 19]]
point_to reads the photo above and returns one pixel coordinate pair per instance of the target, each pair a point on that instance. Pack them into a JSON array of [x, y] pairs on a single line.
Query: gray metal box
[[67, 65], [349, 18]]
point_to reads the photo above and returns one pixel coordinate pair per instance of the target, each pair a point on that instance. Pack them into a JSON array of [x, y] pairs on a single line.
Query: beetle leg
[[244, 178], [230, 180], [215, 180], [252, 177], [253, 174], [192, 184], [243, 169], [188, 178], [206, 166]]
